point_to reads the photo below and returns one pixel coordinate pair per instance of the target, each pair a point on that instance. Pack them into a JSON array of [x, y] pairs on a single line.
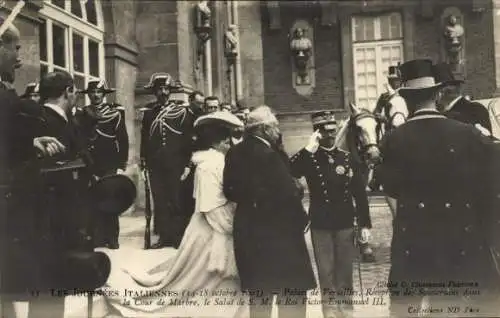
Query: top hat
[[326, 119], [219, 117], [417, 75], [393, 72], [158, 80], [443, 74], [31, 89], [99, 85], [113, 194]]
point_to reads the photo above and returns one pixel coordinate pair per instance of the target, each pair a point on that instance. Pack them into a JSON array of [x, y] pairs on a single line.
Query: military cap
[[325, 119], [31, 89], [113, 194], [158, 80], [99, 85]]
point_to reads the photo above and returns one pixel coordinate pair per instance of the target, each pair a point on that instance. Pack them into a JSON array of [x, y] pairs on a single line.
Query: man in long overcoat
[[431, 168], [269, 222]]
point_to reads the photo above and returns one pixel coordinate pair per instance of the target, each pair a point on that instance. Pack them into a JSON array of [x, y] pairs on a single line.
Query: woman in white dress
[[200, 279]]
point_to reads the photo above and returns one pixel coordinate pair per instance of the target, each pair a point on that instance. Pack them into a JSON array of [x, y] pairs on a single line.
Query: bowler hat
[[158, 80], [31, 89], [324, 119], [443, 74], [99, 85], [85, 270], [113, 194], [417, 75]]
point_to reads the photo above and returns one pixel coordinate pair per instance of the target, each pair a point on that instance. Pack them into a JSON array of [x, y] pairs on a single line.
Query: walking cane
[[356, 244]]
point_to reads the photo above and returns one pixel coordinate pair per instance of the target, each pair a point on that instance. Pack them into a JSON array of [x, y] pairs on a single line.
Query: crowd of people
[[226, 196]]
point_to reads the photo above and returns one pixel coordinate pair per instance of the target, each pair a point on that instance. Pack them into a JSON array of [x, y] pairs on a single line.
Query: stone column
[[496, 39], [251, 54]]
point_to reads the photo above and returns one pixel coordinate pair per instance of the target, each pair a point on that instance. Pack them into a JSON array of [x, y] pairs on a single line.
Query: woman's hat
[[31, 89], [219, 117], [99, 85], [325, 119], [443, 74], [159, 80], [113, 194], [417, 75]]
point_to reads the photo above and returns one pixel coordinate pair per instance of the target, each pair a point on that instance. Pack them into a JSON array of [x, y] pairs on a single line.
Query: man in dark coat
[[431, 168], [106, 138], [454, 105], [269, 222], [19, 148], [333, 181], [166, 147]]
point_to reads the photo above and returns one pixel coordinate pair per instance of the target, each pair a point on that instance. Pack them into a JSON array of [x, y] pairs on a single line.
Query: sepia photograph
[[249, 159]]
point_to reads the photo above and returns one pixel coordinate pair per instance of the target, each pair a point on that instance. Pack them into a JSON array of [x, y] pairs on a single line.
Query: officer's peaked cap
[[324, 118]]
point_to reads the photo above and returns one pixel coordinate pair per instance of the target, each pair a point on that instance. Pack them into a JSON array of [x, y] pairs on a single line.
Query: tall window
[[377, 44], [71, 39]]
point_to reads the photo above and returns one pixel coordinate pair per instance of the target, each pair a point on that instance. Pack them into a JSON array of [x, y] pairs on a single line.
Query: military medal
[[350, 174], [340, 170], [330, 160]]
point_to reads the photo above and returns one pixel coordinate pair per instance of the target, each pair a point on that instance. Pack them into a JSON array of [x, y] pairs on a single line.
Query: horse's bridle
[[364, 148]]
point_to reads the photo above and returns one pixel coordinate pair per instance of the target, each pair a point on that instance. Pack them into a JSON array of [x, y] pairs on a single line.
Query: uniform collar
[[263, 140], [453, 102], [426, 113]]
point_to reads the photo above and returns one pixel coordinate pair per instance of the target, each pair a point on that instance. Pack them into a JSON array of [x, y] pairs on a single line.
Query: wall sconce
[[301, 47], [203, 26]]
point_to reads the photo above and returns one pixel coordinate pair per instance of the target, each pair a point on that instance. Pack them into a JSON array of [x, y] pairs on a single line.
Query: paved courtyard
[[132, 235]]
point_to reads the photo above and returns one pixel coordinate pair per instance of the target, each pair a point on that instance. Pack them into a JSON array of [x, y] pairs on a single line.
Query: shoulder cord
[[106, 115], [169, 112]]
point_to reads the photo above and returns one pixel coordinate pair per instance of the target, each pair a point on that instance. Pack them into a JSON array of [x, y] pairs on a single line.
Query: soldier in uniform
[[454, 105], [430, 168], [107, 142], [334, 182], [390, 98], [166, 147]]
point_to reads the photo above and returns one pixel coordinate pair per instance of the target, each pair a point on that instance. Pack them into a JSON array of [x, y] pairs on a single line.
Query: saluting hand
[[365, 235], [313, 144], [48, 146]]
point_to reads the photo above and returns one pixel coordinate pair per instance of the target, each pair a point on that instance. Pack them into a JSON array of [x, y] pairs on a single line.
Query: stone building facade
[[341, 55]]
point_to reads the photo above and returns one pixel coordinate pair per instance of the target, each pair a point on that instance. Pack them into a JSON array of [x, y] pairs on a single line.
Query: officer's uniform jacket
[[166, 135], [106, 134], [435, 167], [333, 183]]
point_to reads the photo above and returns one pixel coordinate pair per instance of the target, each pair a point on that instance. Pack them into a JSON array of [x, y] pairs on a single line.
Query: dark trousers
[[289, 305], [334, 252], [107, 229], [165, 190]]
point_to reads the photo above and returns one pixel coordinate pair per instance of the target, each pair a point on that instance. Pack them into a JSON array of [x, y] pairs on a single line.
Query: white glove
[[185, 174], [313, 144], [483, 130], [120, 171], [365, 235], [48, 146]]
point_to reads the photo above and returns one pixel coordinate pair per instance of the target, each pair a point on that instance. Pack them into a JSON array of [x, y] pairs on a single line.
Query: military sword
[[147, 232], [356, 244]]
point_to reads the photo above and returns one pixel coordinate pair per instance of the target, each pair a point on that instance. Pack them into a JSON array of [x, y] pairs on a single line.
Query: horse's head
[[363, 130]]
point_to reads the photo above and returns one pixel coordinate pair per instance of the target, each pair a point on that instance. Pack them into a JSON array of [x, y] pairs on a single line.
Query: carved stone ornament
[[202, 27], [453, 39], [302, 56], [231, 44]]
